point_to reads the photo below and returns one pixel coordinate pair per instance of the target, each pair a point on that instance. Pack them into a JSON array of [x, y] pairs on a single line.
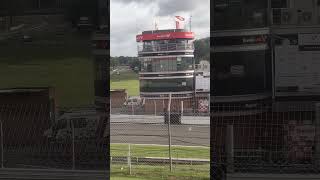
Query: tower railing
[[290, 16], [165, 47]]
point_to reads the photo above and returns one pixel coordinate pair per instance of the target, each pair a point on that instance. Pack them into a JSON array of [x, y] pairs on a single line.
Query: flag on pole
[[179, 18], [155, 25], [179, 22]]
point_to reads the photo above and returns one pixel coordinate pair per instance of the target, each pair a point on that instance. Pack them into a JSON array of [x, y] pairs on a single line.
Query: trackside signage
[[164, 36], [309, 42], [297, 65]]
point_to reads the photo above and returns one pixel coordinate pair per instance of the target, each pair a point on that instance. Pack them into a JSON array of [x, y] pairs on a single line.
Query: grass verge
[[180, 172], [160, 151], [128, 80]]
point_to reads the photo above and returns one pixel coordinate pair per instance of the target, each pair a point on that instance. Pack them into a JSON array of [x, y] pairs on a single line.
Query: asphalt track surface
[[152, 130]]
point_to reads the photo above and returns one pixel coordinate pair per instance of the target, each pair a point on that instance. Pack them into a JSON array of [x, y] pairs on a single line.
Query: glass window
[[167, 64], [61, 124], [279, 4], [237, 73], [240, 14], [166, 85], [79, 122]]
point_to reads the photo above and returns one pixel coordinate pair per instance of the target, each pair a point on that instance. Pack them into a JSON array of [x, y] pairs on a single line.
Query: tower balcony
[[168, 47]]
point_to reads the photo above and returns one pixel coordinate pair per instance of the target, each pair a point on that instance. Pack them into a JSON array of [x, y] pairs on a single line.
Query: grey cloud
[[135, 1], [131, 17], [168, 7]]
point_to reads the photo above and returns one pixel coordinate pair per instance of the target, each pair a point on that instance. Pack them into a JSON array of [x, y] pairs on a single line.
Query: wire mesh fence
[[165, 138], [265, 137], [32, 137]]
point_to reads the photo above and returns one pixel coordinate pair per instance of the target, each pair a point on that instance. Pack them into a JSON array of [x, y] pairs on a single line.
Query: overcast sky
[[131, 17]]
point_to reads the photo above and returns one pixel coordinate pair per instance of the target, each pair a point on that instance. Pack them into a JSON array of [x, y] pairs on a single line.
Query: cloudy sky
[[131, 17]]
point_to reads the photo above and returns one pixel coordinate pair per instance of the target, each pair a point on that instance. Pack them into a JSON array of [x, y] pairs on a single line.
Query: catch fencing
[[33, 137], [267, 138], [161, 138], [198, 105]]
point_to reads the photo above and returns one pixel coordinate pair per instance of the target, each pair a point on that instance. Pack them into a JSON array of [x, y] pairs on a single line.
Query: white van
[[85, 125], [134, 101]]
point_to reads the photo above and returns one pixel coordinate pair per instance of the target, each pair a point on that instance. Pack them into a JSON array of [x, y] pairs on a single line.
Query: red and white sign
[[203, 105], [179, 22], [163, 36]]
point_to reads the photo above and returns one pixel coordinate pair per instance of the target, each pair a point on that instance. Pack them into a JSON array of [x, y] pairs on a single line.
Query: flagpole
[[190, 22]]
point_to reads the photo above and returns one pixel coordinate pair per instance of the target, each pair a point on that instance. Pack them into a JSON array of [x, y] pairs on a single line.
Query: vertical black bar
[[212, 155], [101, 54]]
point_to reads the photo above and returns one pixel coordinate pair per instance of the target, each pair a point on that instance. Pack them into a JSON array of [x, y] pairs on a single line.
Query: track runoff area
[[138, 133]]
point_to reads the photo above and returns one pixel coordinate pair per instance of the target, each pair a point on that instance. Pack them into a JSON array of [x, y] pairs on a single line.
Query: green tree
[[113, 62], [202, 49]]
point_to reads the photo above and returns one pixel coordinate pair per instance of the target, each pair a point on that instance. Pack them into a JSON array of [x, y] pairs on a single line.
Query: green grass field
[[68, 68], [128, 80], [161, 172], [127, 178], [160, 151]]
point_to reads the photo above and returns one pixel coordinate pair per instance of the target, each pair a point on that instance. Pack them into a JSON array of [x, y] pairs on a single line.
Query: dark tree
[[202, 49]]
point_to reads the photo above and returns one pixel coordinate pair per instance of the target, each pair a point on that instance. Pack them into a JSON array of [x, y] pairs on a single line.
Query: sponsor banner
[[237, 70], [297, 68], [240, 40], [310, 48], [309, 42], [165, 35], [309, 39]]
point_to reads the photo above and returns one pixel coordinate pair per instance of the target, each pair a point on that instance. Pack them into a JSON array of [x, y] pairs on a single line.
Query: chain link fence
[[33, 137], [264, 137], [166, 138]]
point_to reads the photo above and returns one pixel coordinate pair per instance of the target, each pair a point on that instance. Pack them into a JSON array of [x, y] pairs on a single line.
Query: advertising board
[[297, 63]]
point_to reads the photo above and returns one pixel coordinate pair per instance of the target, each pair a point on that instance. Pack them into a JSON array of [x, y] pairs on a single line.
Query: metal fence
[[166, 137], [31, 137], [265, 137], [165, 47], [190, 106]]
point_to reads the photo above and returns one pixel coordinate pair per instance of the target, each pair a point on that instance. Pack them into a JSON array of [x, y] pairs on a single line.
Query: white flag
[[179, 22]]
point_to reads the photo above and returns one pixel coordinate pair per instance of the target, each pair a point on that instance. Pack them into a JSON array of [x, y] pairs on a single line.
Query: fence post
[[110, 102], [169, 131], [155, 108], [1, 144], [230, 149], [129, 158], [317, 133], [73, 148], [209, 104], [181, 108], [132, 109], [163, 104]]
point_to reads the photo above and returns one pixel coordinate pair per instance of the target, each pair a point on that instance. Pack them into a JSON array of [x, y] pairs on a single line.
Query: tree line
[[201, 52]]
